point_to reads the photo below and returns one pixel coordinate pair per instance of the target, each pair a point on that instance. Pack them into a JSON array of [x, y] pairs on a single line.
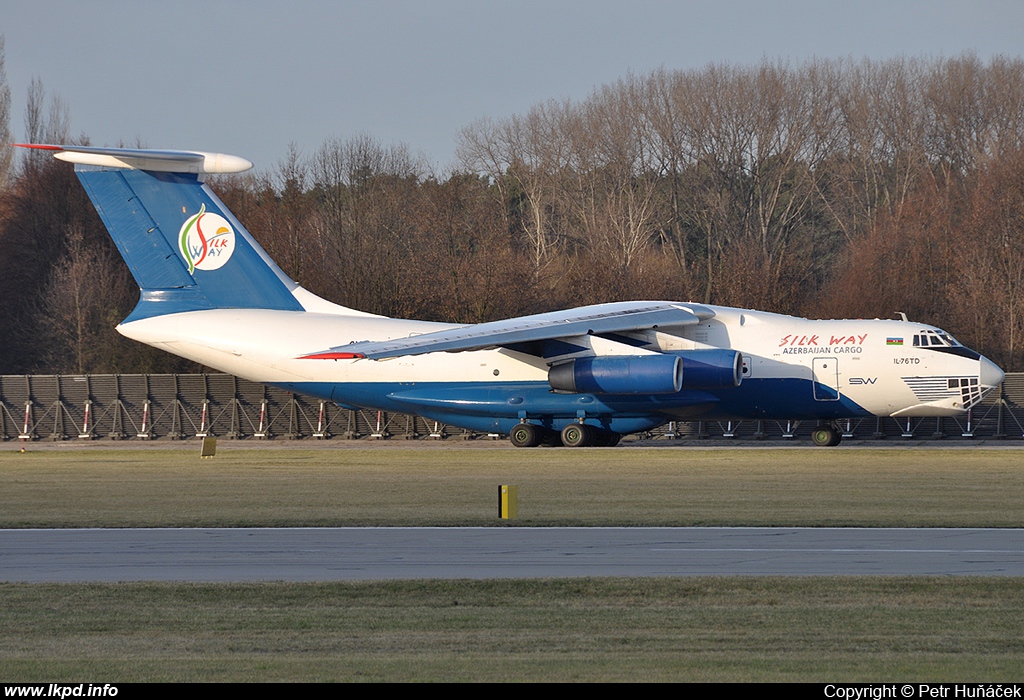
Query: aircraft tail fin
[[184, 247]]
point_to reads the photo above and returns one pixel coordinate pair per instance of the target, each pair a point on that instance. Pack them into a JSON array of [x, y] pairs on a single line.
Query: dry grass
[[693, 629], [396, 485]]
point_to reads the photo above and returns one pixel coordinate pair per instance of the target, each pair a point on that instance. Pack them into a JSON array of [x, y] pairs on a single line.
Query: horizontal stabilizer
[[198, 162]]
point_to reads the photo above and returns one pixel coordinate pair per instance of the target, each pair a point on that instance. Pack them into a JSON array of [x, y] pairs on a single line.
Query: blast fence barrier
[[193, 406]]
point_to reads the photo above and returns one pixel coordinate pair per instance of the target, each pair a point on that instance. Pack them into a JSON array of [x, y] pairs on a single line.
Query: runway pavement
[[323, 554]]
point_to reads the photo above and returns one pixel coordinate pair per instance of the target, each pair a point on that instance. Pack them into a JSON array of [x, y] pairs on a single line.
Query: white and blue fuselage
[[581, 376], [791, 368]]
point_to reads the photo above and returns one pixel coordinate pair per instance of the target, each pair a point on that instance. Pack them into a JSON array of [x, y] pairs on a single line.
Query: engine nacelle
[[711, 369], [619, 374]]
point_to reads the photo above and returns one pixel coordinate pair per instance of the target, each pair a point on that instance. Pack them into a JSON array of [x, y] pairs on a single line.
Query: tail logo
[[206, 241]]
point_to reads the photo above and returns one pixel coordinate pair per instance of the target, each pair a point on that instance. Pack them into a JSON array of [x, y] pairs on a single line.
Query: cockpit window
[[934, 338], [940, 341]]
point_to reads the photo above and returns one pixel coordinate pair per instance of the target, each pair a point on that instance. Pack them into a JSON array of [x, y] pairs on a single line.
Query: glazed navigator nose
[[990, 375]]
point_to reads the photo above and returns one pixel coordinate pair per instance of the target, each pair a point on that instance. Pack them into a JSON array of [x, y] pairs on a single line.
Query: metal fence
[[188, 406]]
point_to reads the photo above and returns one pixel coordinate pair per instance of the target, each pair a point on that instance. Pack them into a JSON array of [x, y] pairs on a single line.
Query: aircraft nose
[[990, 374]]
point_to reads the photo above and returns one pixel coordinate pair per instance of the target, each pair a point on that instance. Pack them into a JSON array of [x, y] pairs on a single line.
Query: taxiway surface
[[323, 554]]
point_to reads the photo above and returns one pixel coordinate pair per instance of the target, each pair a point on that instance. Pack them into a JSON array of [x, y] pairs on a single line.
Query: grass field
[[687, 629], [444, 485], [696, 629]]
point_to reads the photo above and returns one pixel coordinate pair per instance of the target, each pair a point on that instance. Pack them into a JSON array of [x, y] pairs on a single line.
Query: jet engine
[[711, 369], [619, 374]]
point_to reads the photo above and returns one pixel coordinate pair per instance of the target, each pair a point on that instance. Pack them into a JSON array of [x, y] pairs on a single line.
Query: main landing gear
[[826, 436], [582, 435], [573, 435], [527, 435]]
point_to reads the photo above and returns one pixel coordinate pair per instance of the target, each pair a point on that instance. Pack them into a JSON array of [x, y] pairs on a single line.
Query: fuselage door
[[826, 378]]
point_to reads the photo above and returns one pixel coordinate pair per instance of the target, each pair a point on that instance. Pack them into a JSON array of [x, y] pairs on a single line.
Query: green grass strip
[[684, 629], [445, 485]]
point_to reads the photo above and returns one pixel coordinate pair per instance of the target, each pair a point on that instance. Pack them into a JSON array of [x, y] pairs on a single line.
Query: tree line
[[830, 188]]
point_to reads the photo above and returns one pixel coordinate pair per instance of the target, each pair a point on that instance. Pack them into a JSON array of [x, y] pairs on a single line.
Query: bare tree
[[532, 153], [665, 117], [6, 154], [616, 190], [34, 123], [365, 194], [86, 296], [480, 151], [42, 126], [958, 126], [58, 123], [1004, 99]]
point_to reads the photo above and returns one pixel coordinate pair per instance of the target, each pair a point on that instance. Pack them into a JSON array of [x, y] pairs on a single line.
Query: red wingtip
[[333, 356], [39, 146]]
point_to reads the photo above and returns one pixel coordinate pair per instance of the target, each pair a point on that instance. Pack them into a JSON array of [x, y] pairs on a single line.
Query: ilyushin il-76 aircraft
[[579, 377]]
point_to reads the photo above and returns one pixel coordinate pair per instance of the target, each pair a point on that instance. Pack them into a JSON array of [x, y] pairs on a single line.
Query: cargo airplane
[[579, 377]]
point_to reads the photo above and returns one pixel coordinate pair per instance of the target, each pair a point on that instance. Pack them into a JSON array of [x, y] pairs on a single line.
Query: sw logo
[[206, 241], [861, 380]]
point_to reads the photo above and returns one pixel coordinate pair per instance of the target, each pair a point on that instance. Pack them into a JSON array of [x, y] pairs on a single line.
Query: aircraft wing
[[620, 317]]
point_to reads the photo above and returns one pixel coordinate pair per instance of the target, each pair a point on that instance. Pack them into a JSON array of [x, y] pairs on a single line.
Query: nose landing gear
[[826, 436]]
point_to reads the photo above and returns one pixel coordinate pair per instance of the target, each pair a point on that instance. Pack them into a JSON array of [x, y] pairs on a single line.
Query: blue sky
[[249, 78]]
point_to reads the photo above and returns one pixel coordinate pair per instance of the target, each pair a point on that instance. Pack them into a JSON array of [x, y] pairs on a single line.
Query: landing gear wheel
[[606, 438], [526, 435], [826, 436], [577, 435], [552, 438]]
